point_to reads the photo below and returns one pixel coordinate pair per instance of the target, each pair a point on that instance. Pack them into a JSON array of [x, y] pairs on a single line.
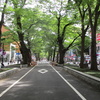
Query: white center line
[[1, 94], [76, 91]]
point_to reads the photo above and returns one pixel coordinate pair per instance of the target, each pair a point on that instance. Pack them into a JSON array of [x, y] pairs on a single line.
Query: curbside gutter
[[93, 81], [8, 73]]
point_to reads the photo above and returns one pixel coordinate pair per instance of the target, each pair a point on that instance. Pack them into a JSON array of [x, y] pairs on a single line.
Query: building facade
[[9, 52]]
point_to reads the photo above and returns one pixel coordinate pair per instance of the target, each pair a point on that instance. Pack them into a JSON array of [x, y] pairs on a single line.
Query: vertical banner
[[98, 37]]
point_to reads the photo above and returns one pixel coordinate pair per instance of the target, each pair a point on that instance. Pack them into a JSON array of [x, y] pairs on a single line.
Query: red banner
[[98, 37]]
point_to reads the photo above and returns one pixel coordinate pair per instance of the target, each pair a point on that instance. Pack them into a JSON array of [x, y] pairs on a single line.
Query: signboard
[[17, 53], [98, 37]]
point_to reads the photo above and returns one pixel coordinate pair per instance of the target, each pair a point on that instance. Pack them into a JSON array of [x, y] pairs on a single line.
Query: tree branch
[[86, 28], [63, 33], [16, 42], [72, 43], [29, 27]]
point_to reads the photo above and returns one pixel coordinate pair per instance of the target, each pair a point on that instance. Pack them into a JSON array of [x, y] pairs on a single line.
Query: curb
[[93, 81], [8, 73]]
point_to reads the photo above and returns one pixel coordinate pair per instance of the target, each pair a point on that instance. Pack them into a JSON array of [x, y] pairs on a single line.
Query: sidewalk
[[10, 65], [77, 64], [93, 81], [14, 69]]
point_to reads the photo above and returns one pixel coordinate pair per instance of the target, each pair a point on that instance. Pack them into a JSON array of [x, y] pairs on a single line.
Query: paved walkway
[[77, 64], [11, 65]]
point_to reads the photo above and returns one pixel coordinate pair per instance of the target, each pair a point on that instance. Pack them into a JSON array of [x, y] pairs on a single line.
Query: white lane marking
[[1, 94], [42, 71], [76, 91]]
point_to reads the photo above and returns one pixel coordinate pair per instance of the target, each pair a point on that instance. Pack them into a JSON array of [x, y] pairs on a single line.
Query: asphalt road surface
[[44, 82]]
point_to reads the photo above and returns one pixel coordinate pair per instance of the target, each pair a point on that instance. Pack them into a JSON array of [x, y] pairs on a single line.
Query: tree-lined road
[[44, 82]]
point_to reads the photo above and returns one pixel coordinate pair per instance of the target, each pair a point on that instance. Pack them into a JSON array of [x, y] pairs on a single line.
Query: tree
[[45, 31], [94, 14], [82, 8], [37, 45], [26, 54], [2, 19], [51, 47], [31, 23], [23, 20], [58, 9]]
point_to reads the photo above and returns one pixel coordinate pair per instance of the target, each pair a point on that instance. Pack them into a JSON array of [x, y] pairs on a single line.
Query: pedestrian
[[2, 65]]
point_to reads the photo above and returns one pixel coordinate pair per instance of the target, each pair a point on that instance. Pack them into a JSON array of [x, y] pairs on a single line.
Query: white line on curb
[[1, 94], [76, 91]]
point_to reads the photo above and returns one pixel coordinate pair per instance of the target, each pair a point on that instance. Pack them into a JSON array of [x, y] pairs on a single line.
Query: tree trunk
[[57, 57], [0, 35], [61, 52], [48, 58], [38, 56], [82, 11], [93, 49], [82, 50], [93, 23], [61, 56], [2, 20], [93, 52], [54, 52], [26, 54]]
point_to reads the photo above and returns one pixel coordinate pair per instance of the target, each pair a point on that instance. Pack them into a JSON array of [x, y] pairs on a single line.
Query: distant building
[[11, 49]]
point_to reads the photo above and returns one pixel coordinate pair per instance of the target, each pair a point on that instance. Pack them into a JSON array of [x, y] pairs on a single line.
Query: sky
[[29, 5], [35, 2]]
